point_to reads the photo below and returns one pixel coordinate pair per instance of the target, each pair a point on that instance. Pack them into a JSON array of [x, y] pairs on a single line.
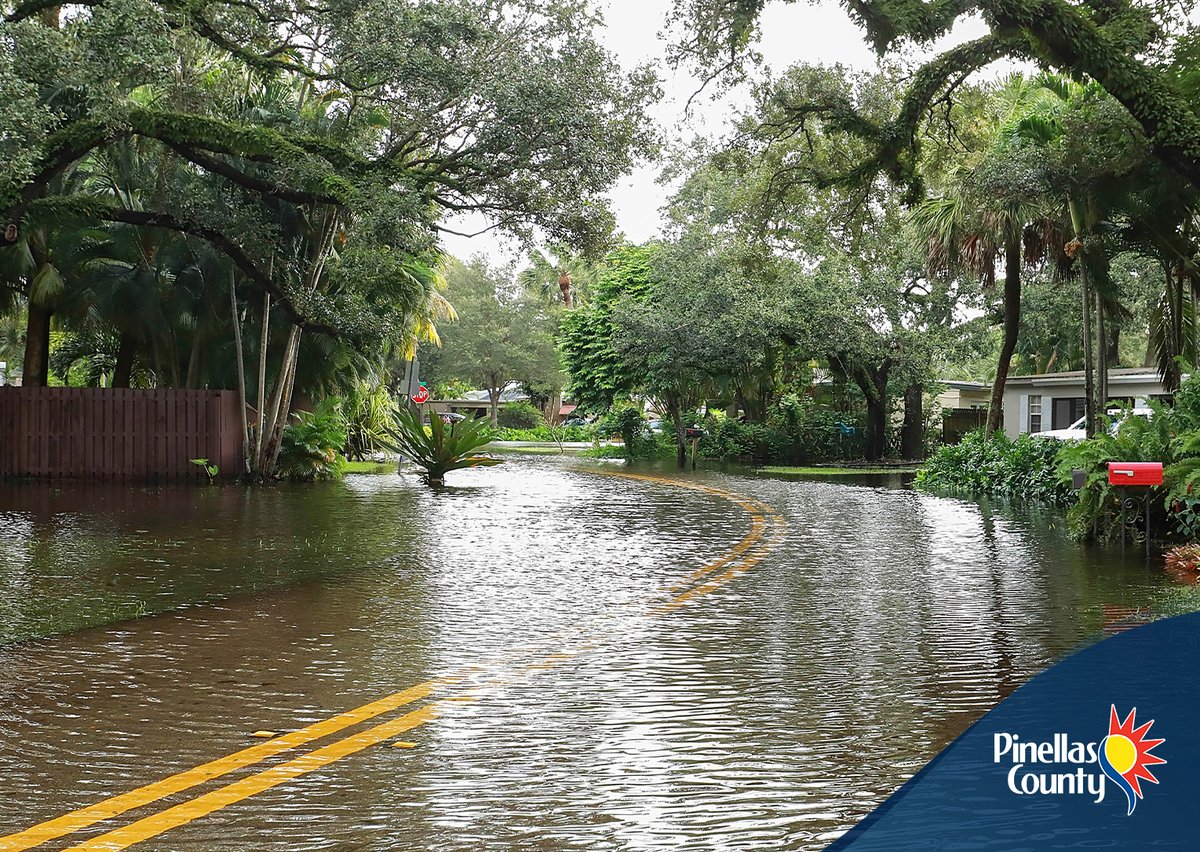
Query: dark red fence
[[118, 433]]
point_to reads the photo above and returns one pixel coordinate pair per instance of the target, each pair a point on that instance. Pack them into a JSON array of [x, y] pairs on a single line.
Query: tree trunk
[[261, 389], [123, 368], [195, 366], [1077, 248], [676, 415], [494, 406], [36, 367], [281, 406], [873, 381], [241, 373], [1089, 390], [912, 440], [564, 285], [876, 438], [1012, 328], [276, 417], [1101, 357]]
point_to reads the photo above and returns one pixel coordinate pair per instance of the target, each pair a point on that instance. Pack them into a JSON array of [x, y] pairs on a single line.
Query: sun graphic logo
[[1125, 755]]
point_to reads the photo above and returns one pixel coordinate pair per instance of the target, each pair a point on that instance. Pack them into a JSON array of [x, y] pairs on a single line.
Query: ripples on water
[[771, 714]]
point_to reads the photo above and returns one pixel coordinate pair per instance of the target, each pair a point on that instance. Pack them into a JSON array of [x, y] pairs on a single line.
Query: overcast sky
[[815, 33]]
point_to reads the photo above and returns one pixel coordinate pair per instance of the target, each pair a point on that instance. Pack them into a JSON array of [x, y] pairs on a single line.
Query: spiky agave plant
[[441, 448]]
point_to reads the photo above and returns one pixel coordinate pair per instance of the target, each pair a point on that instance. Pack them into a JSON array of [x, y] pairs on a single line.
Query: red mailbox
[[1135, 473]]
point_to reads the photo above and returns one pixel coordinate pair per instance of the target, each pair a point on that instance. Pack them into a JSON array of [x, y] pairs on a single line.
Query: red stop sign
[[422, 395]]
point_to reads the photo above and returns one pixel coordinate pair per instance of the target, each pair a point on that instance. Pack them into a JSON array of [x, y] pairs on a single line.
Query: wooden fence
[[118, 433]]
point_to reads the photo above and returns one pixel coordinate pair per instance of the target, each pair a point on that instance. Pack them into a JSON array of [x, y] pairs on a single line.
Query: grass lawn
[[370, 467], [836, 471], [536, 451]]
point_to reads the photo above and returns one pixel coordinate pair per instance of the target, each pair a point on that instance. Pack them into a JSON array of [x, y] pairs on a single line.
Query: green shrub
[[627, 422], [545, 433], [803, 431], [797, 431], [995, 465], [519, 415], [370, 415], [311, 444], [726, 438]]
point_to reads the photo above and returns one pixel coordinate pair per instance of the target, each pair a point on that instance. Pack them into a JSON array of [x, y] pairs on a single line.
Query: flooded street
[[578, 658]]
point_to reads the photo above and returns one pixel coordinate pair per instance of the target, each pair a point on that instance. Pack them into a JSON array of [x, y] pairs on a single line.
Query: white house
[[1055, 400]]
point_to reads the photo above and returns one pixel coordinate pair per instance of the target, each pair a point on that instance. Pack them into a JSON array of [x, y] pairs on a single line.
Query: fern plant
[[1169, 436], [440, 448], [312, 443]]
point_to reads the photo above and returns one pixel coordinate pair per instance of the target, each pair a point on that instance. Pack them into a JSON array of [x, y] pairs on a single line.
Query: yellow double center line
[[749, 551]]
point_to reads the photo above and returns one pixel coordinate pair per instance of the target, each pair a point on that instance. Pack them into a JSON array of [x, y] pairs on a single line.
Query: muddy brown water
[[771, 713]]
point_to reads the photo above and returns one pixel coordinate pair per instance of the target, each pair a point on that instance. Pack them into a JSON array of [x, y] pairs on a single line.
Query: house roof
[[511, 392], [957, 385], [1069, 377], [1123, 375]]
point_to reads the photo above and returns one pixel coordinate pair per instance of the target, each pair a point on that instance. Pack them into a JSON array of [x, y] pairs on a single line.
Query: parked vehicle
[[1077, 431]]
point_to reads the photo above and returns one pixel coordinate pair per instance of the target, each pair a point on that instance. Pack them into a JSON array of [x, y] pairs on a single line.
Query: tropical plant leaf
[[440, 448]]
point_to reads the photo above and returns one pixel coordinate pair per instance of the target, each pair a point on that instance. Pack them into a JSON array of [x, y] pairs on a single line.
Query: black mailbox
[[693, 434]]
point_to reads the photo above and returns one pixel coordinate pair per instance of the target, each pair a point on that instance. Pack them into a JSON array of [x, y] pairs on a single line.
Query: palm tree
[[1066, 119], [970, 234], [998, 211], [562, 276], [572, 277], [38, 270]]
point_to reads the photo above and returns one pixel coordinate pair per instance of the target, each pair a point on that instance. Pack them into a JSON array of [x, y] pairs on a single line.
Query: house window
[[1035, 413], [1066, 410]]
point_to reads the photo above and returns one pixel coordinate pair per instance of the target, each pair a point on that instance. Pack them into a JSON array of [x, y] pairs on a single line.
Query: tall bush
[[995, 465], [627, 422], [370, 415], [519, 415]]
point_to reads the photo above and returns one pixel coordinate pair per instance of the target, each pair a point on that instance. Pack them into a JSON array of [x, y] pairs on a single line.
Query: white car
[[1077, 431]]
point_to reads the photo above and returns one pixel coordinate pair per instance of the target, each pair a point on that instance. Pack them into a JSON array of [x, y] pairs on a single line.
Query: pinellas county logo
[[1123, 757]]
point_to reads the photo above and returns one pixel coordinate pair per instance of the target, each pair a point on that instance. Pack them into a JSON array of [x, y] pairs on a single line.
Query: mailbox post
[[1126, 474], [694, 435]]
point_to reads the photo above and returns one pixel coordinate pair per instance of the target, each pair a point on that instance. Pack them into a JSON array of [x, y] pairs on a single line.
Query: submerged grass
[[533, 451], [370, 467], [835, 471]]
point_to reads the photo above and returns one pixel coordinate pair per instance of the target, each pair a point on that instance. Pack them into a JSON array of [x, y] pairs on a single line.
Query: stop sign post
[[421, 394]]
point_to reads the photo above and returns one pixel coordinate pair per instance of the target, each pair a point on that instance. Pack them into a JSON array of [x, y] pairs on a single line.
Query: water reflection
[[773, 713]]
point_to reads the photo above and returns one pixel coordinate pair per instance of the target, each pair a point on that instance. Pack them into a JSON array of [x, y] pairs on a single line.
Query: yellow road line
[[721, 579], [82, 818], [185, 812], [757, 526], [745, 554]]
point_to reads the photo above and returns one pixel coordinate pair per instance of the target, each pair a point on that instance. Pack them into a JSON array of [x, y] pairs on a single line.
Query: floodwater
[[606, 662]]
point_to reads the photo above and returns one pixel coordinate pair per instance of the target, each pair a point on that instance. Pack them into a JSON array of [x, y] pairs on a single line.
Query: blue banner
[[1097, 752]]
